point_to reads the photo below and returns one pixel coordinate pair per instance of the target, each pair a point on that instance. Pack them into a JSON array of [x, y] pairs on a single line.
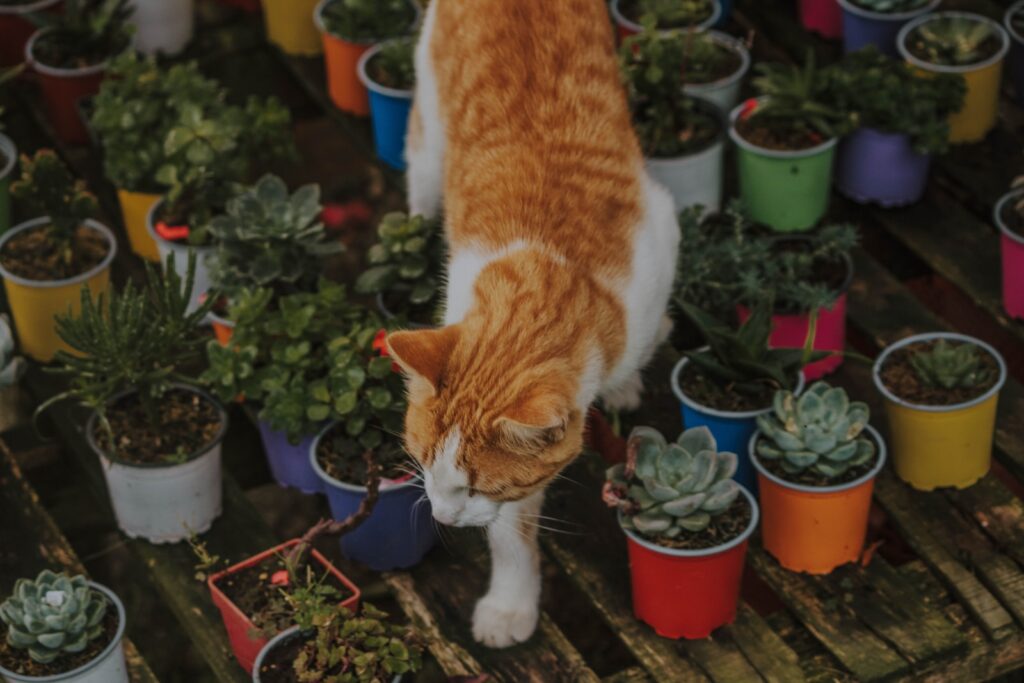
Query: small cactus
[[665, 489], [951, 366]]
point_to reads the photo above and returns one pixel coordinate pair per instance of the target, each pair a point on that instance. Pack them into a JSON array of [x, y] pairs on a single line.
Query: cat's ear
[[539, 419], [423, 354]]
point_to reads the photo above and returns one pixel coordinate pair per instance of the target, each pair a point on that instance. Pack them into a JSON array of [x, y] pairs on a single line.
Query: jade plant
[[369, 21], [666, 489], [892, 6], [671, 13], [822, 431], [53, 615], [84, 33], [952, 366], [11, 366], [952, 40], [394, 66]]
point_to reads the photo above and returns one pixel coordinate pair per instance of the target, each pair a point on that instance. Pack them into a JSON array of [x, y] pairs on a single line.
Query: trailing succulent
[[666, 489], [891, 6], [951, 40], [85, 32], [952, 366], [819, 431], [671, 13], [53, 615], [394, 66], [367, 21], [11, 366]]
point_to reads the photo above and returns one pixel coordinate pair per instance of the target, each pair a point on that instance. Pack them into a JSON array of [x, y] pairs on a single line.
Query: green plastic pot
[[785, 190]]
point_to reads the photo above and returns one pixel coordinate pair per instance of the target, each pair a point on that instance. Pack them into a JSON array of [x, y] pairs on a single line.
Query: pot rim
[[37, 6], [318, 20], [8, 147], [621, 20], [853, 8], [221, 433], [385, 488], [749, 146], [287, 634], [805, 488], [755, 516], [1010, 11], [715, 145], [114, 643], [876, 371], [81, 278], [57, 71], [677, 389], [997, 212], [901, 39], [373, 85], [173, 246], [735, 44]]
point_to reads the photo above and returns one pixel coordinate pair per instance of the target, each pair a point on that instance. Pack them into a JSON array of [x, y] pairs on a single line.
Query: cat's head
[[488, 424]]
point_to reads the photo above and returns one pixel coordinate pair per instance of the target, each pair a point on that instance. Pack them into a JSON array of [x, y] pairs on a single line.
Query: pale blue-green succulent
[[53, 615], [665, 489], [821, 430]]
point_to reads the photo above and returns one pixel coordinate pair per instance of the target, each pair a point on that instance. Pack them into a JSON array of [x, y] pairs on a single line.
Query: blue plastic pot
[[1016, 56], [289, 463], [723, 18], [399, 531], [881, 168], [862, 27], [732, 430], [389, 113]]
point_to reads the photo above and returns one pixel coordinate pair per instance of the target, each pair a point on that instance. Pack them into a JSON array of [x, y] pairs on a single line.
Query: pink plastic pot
[[822, 16], [1013, 259], [789, 331]]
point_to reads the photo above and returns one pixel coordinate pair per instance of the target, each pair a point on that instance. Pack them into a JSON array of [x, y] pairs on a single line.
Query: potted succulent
[[687, 524], [16, 26], [714, 67], [267, 238], [1013, 22], [388, 72], [80, 640], [47, 260], [132, 114], [406, 269], [163, 27], [8, 158], [902, 119], [157, 434], [1009, 217], [816, 459], [941, 391], [70, 57], [629, 15], [967, 44], [351, 27], [683, 138], [290, 26], [878, 22], [786, 143], [824, 17]]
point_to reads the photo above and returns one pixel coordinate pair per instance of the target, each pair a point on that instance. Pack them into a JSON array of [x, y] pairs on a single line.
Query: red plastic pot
[[688, 593], [62, 89], [822, 16], [16, 28], [241, 631]]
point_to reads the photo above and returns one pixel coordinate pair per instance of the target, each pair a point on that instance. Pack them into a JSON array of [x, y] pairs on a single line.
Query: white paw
[[497, 623], [626, 396]]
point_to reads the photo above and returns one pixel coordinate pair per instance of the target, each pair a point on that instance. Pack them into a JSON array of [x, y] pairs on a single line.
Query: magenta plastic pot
[[875, 167], [862, 27], [822, 16], [1012, 246]]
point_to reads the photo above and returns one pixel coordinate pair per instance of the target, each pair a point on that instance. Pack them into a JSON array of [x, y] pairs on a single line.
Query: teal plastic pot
[[785, 190], [8, 158]]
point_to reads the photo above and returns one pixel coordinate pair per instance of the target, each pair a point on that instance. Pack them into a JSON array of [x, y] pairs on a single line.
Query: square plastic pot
[[8, 162], [1012, 250], [289, 463], [823, 17], [863, 27], [389, 113], [290, 26], [881, 168], [179, 251], [62, 89]]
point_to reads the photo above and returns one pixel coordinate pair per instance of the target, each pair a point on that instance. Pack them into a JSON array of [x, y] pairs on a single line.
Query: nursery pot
[[822, 16], [981, 103], [108, 667], [16, 28], [222, 328], [399, 531], [35, 303], [389, 113], [135, 208], [280, 639], [165, 503], [815, 529], [694, 178], [881, 168], [785, 190], [725, 92], [627, 27], [290, 26], [1012, 247], [162, 26], [179, 251], [1016, 56], [688, 593], [246, 643], [863, 27], [62, 89], [289, 463], [8, 160], [941, 446], [731, 429]]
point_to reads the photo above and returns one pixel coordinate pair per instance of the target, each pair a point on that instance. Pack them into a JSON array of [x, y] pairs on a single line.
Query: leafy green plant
[[819, 431], [11, 366], [952, 366], [952, 40], [670, 13], [53, 615], [664, 490], [268, 238], [394, 66], [667, 121], [367, 21], [891, 6], [84, 33]]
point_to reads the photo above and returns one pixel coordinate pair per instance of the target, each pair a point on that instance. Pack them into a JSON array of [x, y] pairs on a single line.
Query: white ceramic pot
[[203, 279], [695, 178], [725, 92], [162, 25]]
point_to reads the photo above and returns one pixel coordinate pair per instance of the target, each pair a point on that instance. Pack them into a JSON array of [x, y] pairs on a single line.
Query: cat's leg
[[508, 613], [425, 143]]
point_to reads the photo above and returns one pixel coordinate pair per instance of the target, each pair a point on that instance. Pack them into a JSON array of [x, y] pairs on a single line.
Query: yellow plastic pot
[[290, 26], [135, 208], [35, 304], [981, 103], [941, 446]]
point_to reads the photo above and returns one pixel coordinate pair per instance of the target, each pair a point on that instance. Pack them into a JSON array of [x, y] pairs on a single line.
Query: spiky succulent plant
[[52, 615], [667, 489], [820, 431], [951, 40], [951, 366]]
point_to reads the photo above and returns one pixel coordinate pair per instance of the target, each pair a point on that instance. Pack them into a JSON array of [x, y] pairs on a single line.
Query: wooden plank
[[997, 511], [634, 674], [770, 655], [720, 658]]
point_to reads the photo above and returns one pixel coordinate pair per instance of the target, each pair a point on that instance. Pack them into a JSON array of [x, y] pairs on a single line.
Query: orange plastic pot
[[222, 328], [815, 529], [62, 89], [16, 28]]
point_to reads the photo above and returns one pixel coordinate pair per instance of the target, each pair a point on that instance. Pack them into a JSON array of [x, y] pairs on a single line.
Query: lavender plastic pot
[[289, 463], [862, 27], [1012, 247], [1015, 59], [875, 167]]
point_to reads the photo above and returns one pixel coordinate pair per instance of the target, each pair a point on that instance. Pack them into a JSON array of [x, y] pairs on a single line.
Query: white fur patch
[[464, 267]]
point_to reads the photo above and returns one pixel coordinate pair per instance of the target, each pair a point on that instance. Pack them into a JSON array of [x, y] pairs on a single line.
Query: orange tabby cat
[[562, 256]]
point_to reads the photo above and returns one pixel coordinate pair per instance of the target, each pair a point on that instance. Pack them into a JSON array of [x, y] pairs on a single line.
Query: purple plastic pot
[[881, 168], [862, 27], [289, 463], [1016, 56]]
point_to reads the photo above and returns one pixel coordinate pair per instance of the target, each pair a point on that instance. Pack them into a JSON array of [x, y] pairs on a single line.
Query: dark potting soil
[[899, 377], [19, 662], [632, 10], [776, 137], [33, 255], [277, 665], [377, 71], [727, 63], [1013, 217], [917, 47], [723, 528], [336, 450], [53, 50], [812, 478], [711, 394], [188, 423]]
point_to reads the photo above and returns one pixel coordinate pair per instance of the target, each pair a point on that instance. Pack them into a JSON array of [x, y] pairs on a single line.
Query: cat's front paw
[[626, 396], [498, 623]]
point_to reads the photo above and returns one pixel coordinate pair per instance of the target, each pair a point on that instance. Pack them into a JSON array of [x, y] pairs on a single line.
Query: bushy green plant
[[820, 431], [11, 366], [367, 21], [952, 366], [394, 66], [891, 6], [84, 33], [53, 615], [952, 40], [671, 13]]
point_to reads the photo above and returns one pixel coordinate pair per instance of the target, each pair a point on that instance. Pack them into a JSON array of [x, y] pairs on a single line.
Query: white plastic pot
[[165, 503], [203, 279], [724, 93], [108, 667], [695, 178], [162, 25]]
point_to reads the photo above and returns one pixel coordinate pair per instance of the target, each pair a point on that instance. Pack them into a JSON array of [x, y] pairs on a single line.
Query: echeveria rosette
[[666, 489], [952, 366], [822, 430]]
